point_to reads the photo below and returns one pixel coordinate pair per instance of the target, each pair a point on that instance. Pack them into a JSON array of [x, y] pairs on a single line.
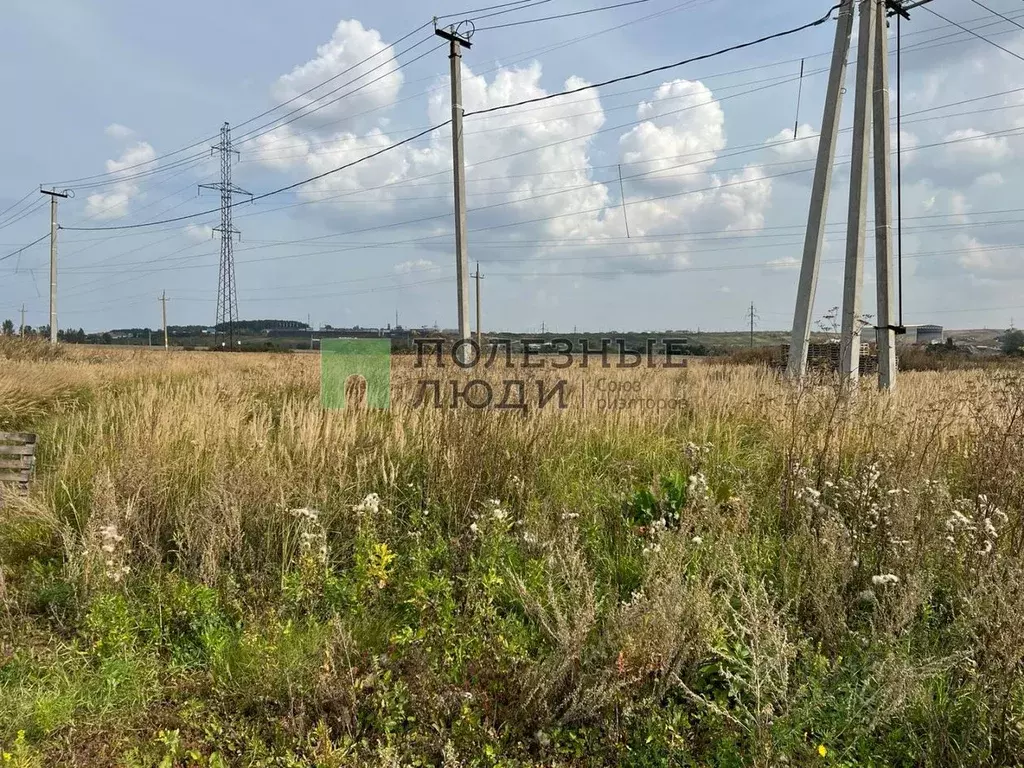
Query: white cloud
[[783, 264], [803, 147], [340, 58], [118, 131], [415, 265], [973, 146], [123, 189], [198, 232], [530, 172]]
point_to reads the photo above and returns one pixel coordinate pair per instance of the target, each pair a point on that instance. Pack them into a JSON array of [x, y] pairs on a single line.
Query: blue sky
[[716, 189]]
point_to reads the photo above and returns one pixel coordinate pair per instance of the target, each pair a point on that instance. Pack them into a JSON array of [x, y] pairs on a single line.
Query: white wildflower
[[369, 505], [885, 579]]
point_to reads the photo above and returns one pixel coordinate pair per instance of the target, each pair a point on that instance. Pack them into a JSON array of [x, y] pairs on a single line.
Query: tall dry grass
[[763, 570]]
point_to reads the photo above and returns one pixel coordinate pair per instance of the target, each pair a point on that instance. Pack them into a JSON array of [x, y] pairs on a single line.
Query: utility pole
[[856, 217], [752, 314], [54, 194], [820, 189], [227, 296], [479, 334], [163, 302], [456, 42], [885, 330], [871, 119], [21, 329]]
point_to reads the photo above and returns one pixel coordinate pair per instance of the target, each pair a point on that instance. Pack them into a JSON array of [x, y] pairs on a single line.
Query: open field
[[210, 570]]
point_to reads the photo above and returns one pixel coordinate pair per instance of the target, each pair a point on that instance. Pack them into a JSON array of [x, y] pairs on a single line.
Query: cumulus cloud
[[531, 177], [803, 147], [415, 265], [118, 131], [974, 146], [198, 232], [339, 61], [783, 264], [117, 199]]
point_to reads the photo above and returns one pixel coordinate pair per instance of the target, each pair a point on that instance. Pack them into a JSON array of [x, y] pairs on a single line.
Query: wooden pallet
[[17, 458]]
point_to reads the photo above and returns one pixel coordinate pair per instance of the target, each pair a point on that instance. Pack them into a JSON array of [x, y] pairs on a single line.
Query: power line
[[117, 176], [12, 254], [395, 145], [664, 68], [464, 14], [997, 13], [972, 32], [294, 115], [561, 16], [336, 76], [32, 208], [15, 205], [265, 194], [521, 7]]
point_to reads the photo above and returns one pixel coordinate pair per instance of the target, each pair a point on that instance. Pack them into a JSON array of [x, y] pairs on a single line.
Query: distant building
[[929, 334]]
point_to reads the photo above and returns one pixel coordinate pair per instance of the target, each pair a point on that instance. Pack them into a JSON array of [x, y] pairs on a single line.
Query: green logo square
[[369, 359]]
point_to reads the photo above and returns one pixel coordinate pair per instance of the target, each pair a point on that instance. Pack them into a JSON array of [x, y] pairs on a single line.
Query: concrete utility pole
[[871, 118], [479, 333], [456, 42], [885, 334], [820, 189], [163, 302], [856, 217], [54, 194]]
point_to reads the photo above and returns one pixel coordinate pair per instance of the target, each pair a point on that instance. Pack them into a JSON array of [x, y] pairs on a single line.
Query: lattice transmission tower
[[227, 296]]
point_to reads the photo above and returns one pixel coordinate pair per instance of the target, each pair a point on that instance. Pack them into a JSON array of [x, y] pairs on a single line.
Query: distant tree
[[27, 330], [8, 328], [950, 344], [1013, 342], [107, 338]]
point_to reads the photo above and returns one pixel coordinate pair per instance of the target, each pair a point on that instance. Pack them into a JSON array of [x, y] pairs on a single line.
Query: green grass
[[211, 572]]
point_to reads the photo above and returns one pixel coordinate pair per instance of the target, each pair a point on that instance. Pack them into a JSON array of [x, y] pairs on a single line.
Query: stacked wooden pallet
[[17, 458]]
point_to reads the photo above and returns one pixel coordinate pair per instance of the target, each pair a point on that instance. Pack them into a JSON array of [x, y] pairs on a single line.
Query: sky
[[669, 201]]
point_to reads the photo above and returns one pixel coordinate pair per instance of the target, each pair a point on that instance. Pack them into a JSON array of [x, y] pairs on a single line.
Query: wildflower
[[474, 528], [822, 750], [885, 579], [370, 504], [697, 540]]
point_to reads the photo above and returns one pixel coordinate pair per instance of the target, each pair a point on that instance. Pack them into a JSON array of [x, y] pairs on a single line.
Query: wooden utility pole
[[456, 42], [21, 330], [163, 303], [479, 333], [54, 194]]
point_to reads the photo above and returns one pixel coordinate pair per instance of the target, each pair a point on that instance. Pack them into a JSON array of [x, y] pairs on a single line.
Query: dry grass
[[682, 584]]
